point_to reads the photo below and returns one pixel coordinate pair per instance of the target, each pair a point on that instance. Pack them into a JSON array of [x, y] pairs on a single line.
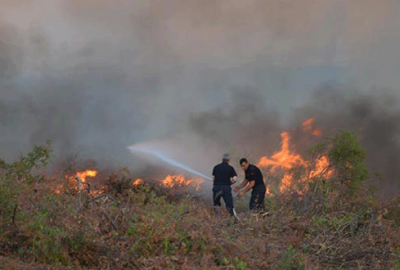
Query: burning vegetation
[[285, 163], [93, 218], [79, 183]]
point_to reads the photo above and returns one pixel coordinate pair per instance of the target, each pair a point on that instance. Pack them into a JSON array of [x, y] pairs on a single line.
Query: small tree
[[348, 159], [17, 177]]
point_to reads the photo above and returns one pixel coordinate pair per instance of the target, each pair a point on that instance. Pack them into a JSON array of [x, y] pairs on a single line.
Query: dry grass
[[151, 227]]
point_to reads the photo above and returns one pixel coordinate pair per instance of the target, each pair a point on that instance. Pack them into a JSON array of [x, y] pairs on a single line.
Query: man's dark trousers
[[225, 192], [257, 197]]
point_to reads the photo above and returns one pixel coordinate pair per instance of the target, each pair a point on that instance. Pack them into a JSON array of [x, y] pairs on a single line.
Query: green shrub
[[290, 260], [17, 178], [397, 261], [236, 263], [348, 158]]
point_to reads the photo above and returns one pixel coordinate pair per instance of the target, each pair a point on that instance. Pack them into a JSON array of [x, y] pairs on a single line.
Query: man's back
[[223, 173]]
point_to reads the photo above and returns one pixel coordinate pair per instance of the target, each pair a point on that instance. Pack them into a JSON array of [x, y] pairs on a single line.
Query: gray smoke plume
[[205, 77], [375, 115]]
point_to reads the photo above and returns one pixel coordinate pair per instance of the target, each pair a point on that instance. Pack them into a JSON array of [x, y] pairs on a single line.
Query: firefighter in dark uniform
[[253, 180], [224, 175]]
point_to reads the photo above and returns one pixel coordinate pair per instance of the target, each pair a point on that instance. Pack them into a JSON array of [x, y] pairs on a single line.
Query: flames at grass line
[[78, 182], [280, 164]]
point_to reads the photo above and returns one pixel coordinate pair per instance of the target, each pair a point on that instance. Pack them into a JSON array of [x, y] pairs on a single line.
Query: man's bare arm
[[234, 180], [241, 185], [249, 187]]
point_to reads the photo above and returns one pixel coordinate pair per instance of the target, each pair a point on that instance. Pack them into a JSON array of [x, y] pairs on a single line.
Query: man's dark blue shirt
[[223, 173], [254, 174]]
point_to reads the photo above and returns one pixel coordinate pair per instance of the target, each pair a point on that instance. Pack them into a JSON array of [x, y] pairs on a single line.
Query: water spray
[[154, 153]]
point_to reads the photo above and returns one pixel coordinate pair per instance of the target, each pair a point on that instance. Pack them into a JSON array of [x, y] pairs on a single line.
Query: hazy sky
[[97, 76]]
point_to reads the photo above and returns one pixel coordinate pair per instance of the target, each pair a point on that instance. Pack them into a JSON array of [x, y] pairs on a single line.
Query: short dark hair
[[243, 160]]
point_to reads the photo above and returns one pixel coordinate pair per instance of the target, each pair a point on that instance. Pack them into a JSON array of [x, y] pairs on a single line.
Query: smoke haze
[[207, 77]]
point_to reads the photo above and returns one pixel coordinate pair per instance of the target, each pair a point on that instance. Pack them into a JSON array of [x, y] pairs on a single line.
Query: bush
[[291, 259], [346, 160], [17, 178]]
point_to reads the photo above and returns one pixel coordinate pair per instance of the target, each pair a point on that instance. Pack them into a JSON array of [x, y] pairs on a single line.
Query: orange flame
[[174, 180], [287, 159], [179, 180], [284, 158], [137, 182], [268, 192], [308, 127], [75, 185], [321, 168], [83, 175]]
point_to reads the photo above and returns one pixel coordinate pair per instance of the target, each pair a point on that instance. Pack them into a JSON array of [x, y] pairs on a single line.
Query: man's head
[[225, 158], [244, 163]]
